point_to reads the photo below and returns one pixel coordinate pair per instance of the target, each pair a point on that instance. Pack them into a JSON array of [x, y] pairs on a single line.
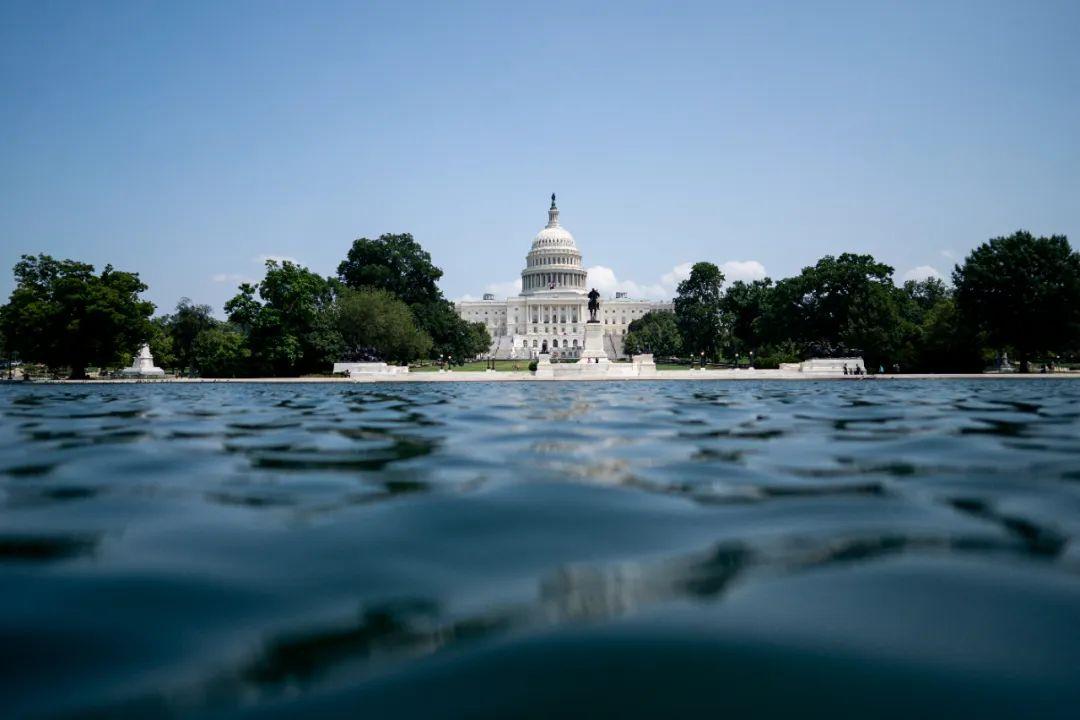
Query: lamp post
[[751, 360], [702, 360], [736, 361]]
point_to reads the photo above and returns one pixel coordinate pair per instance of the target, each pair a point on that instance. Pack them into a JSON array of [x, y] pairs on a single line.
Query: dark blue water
[[873, 549]]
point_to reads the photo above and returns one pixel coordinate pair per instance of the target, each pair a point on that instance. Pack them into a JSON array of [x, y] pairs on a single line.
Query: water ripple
[[212, 548]]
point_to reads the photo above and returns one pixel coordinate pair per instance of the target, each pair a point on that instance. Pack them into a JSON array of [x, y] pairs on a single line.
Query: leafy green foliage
[[841, 305], [451, 335], [945, 342], [63, 315], [1023, 292], [921, 296], [395, 263], [400, 266], [378, 323], [769, 357], [744, 305], [291, 327], [478, 340], [699, 310], [654, 332], [220, 351], [161, 342], [184, 325]]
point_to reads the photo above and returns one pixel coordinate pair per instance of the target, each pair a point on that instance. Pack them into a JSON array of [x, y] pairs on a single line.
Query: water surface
[[887, 549]]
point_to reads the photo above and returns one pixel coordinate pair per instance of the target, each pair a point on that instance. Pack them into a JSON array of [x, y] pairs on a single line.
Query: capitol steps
[[502, 346], [613, 345]]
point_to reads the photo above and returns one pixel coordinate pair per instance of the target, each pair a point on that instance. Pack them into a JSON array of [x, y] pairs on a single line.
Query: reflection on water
[[317, 549]]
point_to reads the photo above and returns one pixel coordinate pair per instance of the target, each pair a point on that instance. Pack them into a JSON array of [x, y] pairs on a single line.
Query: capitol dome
[[553, 264], [554, 234]]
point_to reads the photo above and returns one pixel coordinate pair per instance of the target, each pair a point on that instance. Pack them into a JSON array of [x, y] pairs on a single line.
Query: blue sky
[[188, 140]]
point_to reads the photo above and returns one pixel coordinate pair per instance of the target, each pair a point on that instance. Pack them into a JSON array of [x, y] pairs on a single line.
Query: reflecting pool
[[857, 549]]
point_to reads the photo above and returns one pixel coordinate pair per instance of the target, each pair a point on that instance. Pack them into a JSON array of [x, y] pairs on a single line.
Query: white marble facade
[[550, 313]]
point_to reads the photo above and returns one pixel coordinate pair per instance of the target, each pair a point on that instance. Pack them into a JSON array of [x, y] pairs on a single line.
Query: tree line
[[1018, 295], [383, 304]]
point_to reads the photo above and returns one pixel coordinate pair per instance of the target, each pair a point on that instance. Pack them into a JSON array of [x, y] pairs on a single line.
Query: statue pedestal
[[544, 368], [143, 366], [594, 353], [644, 364]]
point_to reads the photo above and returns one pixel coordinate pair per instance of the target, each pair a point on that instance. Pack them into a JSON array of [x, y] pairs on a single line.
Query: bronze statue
[[553, 200], [594, 305]]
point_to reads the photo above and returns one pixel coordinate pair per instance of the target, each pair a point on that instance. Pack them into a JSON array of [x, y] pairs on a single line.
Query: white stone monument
[[594, 353], [832, 366], [644, 364], [365, 369], [143, 365], [544, 368]]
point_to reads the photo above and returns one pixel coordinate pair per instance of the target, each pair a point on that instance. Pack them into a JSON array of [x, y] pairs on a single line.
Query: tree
[[1023, 292], [220, 351], [699, 310], [400, 266], [945, 342], [184, 325], [477, 342], [451, 335], [395, 263], [375, 322], [63, 315], [654, 332], [840, 305], [922, 295], [161, 342], [744, 304], [290, 328]]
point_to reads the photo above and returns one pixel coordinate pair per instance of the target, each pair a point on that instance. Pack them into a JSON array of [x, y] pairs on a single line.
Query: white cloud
[[261, 259], [501, 290], [607, 283], [231, 278], [922, 272], [678, 273], [745, 270], [949, 255], [603, 279]]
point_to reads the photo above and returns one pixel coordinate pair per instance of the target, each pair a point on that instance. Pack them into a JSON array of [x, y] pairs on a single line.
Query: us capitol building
[[550, 313]]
